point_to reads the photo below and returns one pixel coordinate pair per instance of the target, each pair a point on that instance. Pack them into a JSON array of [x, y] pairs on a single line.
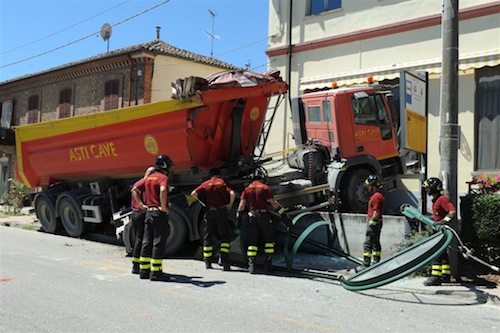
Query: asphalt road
[[54, 283]]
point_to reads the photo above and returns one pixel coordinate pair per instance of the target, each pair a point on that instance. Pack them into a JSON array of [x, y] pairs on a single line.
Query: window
[[33, 109], [111, 94], [365, 112], [6, 116], [487, 118], [371, 110], [314, 114], [327, 112], [65, 97], [320, 6]]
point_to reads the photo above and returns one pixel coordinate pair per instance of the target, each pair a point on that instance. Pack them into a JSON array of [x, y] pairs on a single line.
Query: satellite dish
[[105, 31]]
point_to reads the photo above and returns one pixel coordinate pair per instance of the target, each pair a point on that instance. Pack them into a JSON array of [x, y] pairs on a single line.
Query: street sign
[[414, 111]]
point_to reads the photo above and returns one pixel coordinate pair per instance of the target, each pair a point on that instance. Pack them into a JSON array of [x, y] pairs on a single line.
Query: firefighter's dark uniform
[[137, 219], [256, 196], [156, 227], [216, 194], [441, 206], [371, 246]]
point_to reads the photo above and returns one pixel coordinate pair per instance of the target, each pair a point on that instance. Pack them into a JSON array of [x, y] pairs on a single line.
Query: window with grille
[[33, 109], [65, 97], [111, 94]]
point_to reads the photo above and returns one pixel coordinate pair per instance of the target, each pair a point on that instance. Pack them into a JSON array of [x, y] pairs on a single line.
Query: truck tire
[[353, 194], [178, 232], [71, 216], [128, 238], [46, 214]]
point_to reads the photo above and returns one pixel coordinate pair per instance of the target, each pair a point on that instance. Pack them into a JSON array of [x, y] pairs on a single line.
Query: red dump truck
[[85, 165]]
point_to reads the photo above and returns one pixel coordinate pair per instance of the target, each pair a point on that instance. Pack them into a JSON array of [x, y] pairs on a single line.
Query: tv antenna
[[212, 35], [106, 33]]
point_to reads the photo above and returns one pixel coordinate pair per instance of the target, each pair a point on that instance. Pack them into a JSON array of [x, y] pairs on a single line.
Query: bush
[[14, 199], [480, 225], [413, 238]]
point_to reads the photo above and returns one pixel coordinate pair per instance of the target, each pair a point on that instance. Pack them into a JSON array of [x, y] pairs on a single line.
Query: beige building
[[317, 42]]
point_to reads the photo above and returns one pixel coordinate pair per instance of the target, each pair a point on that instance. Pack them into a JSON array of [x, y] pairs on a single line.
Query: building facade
[[317, 43], [130, 76]]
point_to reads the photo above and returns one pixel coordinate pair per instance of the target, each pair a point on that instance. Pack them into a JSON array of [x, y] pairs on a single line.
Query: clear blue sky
[[36, 35]]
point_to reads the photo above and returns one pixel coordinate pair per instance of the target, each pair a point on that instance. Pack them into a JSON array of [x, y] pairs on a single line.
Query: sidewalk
[[477, 293]]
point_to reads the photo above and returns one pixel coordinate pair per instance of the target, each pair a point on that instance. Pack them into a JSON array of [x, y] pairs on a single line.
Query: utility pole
[[450, 130]]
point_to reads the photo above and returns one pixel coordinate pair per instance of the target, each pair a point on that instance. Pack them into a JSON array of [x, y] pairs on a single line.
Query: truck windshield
[[371, 110]]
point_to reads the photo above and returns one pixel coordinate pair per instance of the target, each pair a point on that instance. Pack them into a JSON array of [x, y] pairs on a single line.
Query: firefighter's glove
[[239, 219], [372, 222]]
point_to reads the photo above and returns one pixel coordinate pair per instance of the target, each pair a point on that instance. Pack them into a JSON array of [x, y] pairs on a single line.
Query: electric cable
[[84, 37], [62, 30]]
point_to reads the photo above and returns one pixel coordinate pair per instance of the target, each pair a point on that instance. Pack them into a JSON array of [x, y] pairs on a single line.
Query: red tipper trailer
[[121, 143], [86, 164]]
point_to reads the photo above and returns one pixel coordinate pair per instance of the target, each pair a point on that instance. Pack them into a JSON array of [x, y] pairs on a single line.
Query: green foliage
[[413, 238], [14, 198], [481, 225]]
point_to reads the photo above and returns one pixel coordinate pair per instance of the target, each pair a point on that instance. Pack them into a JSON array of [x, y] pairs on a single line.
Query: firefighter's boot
[[135, 268], [367, 261], [376, 259], [159, 276], [445, 278], [224, 258], [144, 274], [268, 265], [434, 280], [251, 265], [208, 264]]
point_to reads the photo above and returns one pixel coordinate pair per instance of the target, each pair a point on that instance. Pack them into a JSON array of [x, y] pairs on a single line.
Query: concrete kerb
[[25, 219], [481, 294]]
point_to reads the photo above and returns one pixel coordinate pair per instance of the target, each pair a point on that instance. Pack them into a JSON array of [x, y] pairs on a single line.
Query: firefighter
[[371, 247], [218, 198], [443, 211], [257, 195], [137, 219], [156, 228]]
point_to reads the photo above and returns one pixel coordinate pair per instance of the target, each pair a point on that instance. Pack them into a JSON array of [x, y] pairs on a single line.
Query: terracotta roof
[[156, 46]]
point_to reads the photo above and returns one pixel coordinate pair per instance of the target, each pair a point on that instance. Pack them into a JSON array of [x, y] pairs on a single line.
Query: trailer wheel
[[353, 194], [178, 232], [71, 217], [46, 213], [128, 238]]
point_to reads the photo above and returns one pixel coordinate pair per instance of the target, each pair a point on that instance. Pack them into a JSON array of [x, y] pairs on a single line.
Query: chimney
[[158, 32]]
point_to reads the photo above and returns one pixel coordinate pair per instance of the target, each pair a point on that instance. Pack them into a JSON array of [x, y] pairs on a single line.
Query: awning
[[433, 66]]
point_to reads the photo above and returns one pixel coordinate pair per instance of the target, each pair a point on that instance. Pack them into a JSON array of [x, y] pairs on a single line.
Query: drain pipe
[[289, 77]]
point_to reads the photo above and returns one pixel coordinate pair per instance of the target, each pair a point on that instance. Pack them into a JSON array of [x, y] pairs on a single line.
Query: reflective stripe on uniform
[[252, 251], [224, 247], [436, 270], [156, 265], [445, 269], [207, 251], [269, 248], [145, 263]]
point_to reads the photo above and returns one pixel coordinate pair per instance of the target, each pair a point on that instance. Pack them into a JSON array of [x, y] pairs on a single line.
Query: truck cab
[[354, 124]]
